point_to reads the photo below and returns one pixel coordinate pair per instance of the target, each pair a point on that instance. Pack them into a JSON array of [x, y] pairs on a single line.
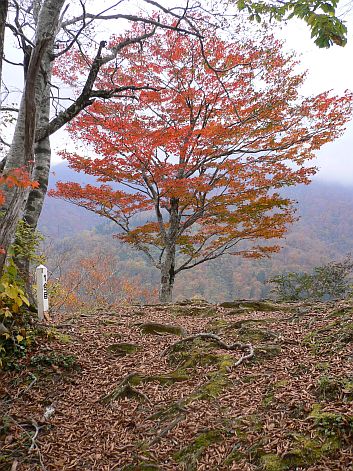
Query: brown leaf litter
[[98, 392]]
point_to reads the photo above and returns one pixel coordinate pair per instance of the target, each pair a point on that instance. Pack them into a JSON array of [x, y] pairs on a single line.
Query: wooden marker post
[[42, 292]]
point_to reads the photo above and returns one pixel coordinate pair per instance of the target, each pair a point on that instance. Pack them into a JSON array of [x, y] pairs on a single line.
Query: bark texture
[[167, 277], [168, 264], [21, 153]]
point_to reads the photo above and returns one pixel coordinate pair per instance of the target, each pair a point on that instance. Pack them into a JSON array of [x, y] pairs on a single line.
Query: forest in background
[[81, 251]]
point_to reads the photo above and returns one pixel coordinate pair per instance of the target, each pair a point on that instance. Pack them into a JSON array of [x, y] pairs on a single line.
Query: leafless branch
[[9, 108]]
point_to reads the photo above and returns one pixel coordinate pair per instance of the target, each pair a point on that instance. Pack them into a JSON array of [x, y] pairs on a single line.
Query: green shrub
[[63, 361], [330, 281], [15, 333]]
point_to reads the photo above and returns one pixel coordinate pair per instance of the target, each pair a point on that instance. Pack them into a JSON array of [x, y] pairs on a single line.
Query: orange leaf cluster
[[197, 156], [17, 177]]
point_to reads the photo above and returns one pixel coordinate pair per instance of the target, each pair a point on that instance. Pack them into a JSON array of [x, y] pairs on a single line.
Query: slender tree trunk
[[167, 276], [168, 264], [4, 5]]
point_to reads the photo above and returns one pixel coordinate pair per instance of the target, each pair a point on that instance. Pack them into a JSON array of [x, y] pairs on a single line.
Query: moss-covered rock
[[216, 325], [254, 334], [250, 306], [122, 349], [249, 322], [191, 310], [199, 354], [155, 328]]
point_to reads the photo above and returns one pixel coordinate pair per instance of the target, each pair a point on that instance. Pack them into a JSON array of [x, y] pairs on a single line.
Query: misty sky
[[327, 69], [330, 69]]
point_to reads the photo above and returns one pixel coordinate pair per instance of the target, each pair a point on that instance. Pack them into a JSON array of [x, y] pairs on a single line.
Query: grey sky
[[327, 69]]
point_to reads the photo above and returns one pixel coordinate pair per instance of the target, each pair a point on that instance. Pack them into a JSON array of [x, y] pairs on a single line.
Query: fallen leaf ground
[[100, 391]]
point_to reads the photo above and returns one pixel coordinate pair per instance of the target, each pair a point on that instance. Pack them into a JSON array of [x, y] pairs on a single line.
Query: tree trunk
[[168, 263], [167, 276], [4, 5], [34, 207], [23, 140]]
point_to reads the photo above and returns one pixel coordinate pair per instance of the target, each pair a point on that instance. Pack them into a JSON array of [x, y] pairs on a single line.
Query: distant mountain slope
[[60, 219], [325, 212], [322, 233]]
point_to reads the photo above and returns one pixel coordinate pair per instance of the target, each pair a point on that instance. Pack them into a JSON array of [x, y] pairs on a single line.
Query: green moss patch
[[216, 325], [306, 451], [332, 424], [199, 354], [122, 349], [214, 387], [331, 388], [169, 378], [272, 462], [252, 322], [126, 388], [54, 359], [266, 351], [254, 334], [193, 311], [250, 306], [235, 455], [155, 328]]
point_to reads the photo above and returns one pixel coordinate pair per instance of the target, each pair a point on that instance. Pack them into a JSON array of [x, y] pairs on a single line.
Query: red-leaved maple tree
[[197, 159]]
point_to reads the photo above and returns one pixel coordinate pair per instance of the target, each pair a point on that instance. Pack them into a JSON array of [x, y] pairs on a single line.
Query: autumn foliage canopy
[[198, 153]]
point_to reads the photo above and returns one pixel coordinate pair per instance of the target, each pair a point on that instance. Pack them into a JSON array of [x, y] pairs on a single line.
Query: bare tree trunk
[[34, 205], [167, 276], [21, 152], [22, 147], [168, 264]]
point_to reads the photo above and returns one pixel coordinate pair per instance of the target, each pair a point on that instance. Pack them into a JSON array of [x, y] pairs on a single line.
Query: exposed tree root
[[34, 448], [166, 430], [125, 389], [215, 338]]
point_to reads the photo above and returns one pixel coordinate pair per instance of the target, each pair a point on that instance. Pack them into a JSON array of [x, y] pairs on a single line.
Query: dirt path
[[98, 393]]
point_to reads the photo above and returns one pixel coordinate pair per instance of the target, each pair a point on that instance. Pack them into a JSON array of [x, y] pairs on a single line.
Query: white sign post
[[42, 291]]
